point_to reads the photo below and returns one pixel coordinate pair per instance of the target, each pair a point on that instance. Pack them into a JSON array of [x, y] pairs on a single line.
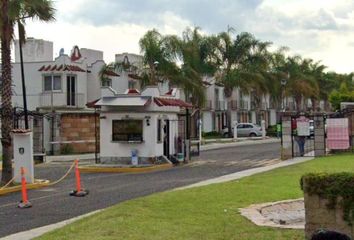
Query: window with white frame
[[107, 82], [52, 83]]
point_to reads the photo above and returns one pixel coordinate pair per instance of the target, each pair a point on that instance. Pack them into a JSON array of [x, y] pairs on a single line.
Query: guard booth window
[[127, 130]]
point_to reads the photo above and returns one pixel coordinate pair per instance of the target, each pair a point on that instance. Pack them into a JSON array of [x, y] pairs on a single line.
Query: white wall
[[273, 117], [91, 56], [34, 50], [35, 84], [207, 121]]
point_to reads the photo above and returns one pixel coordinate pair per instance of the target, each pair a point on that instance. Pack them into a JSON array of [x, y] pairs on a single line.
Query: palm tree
[[157, 57], [195, 52], [14, 12], [301, 84], [243, 64]]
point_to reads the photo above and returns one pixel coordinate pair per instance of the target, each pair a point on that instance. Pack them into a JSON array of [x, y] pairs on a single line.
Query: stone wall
[[79, 127], [318, 216]]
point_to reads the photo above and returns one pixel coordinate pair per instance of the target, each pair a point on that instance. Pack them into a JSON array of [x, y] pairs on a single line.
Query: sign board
[[303, 126]]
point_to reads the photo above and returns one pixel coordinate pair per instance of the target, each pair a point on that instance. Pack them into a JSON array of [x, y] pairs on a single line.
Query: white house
[[146, 124]]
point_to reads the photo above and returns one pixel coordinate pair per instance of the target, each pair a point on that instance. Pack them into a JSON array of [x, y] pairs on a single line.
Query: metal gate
[[174, 140], [36, 124], [303, 135]]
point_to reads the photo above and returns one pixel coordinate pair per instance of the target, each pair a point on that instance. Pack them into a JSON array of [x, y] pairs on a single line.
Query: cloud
[[321, 20], [211, 15], [321, 29]]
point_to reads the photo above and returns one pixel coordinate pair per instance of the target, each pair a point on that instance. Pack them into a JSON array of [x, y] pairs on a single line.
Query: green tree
[[243, 63], [195, 52], [301, 84], [14, 12], [341, 95]]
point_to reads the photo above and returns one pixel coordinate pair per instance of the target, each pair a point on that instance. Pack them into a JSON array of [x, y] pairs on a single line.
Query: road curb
[[214, 146], [89, 169], [36, 185]]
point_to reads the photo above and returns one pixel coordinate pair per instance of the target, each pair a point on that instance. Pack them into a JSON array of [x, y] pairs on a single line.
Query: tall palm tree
[[195, 52], [243, 60], [14, 12], [157, 56], [301, 84]]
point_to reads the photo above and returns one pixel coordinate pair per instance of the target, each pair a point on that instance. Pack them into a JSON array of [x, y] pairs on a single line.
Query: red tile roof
[[70, 68], [171, 102], [134, 76], [111, 73], [169, 92], [92, 104], [133, 91], [21, 130]]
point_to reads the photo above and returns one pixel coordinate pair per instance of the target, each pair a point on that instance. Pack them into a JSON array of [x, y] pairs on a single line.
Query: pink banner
[[337, 133]]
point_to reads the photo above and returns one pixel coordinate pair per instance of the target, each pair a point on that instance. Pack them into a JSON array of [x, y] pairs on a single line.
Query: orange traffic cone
[[79, 192], [24, 202]]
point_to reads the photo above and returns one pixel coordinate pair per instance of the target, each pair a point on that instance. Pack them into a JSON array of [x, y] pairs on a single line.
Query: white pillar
[[200, 131], [235, 132], [23, 154], [263, 128]]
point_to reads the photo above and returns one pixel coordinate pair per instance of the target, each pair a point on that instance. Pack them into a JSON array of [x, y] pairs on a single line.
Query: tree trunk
[[298, 103], [6, 108]]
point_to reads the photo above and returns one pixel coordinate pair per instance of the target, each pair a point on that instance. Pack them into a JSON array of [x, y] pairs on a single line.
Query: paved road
[[53, 204]]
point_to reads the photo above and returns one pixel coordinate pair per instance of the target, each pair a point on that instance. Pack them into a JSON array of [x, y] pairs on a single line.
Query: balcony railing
[[233, 105], [61, 100], [243, 105], [220, 105], [208, 105], [264, 106]]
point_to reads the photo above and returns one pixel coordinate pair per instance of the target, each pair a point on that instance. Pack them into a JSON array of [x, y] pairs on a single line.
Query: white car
[[245, 130]]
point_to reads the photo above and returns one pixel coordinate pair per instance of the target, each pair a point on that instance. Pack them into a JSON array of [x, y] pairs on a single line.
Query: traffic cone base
[[24, 204], [81, 193]]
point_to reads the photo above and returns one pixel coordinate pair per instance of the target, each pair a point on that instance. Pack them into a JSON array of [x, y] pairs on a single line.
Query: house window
[[127, 130], [159, 130], [52, 83], [107, 82]]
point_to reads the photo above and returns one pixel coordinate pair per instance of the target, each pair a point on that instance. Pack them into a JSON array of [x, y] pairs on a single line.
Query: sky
[[319, 29]]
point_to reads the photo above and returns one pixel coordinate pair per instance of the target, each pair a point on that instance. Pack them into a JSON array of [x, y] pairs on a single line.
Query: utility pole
[[22, 76]]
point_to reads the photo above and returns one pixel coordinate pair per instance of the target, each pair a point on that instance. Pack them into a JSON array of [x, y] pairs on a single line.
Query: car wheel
[[253, 135]]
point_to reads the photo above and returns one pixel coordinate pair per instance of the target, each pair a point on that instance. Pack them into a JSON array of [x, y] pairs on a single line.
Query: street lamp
[[154, 72], [283, 83], [22, 75]]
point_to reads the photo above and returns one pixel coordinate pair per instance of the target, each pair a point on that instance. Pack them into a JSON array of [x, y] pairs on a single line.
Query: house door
[[71, 91], [166, 139]]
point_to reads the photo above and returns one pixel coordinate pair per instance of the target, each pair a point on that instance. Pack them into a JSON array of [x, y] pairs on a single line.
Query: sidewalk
[[240, 142], [27, 235], [246, 173]]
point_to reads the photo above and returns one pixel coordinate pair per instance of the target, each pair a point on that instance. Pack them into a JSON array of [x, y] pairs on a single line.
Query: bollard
[[24, 203], [79, 192]]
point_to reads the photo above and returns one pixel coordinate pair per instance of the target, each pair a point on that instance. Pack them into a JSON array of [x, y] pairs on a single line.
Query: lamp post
[[154, 77], [283, 83], [22, 76]]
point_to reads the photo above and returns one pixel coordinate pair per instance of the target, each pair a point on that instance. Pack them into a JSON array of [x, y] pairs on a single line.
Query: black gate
[[36, 124], [303, 135]]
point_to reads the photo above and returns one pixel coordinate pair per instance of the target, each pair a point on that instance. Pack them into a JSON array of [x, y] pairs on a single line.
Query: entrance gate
[[303, 135]]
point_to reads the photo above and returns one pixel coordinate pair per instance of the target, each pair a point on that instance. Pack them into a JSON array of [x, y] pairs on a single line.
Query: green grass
[[209, 212]]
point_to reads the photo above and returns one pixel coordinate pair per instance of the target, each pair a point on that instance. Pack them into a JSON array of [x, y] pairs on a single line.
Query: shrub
[[330, 187]]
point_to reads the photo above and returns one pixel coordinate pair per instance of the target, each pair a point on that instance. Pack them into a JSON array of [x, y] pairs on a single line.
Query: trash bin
[[180, 157], [134, 155]]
